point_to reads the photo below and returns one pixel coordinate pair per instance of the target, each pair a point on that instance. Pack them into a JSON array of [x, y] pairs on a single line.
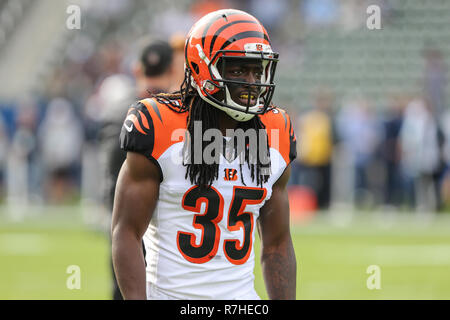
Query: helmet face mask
[[211, 83], [262, 89]]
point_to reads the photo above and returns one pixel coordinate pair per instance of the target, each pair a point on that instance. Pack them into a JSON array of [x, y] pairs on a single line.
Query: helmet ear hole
[[195, 67]]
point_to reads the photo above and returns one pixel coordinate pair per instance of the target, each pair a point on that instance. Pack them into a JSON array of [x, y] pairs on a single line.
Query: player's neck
[[226, 122]]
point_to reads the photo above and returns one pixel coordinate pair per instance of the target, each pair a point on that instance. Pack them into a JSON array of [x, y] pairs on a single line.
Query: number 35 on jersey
[[237, 252]]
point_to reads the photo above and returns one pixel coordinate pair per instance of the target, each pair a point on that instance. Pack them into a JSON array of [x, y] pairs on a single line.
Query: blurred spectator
[[421, 153], [435, 80], [4, 144], [177, 68], [445, 125], [445, 190], [390, 152], [320, 12], [115, 95], [271, 13], [158, 69], [200, 8], [105, 63], [360, 131], [108, 10], [315, 129], [445, 182], [172, 20], [24, 163], [445, 179], [60, 138]]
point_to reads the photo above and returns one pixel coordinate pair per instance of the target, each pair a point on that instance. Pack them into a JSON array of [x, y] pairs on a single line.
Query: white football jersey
[[199, 244]]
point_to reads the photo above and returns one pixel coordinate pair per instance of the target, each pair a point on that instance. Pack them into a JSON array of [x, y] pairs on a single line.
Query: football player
[[198, 219]]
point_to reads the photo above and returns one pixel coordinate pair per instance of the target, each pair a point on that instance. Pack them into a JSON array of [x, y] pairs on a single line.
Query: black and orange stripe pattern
[[278, 119], [148, 128]]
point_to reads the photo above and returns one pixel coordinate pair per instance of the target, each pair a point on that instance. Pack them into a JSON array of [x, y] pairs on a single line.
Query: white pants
[[153, 293]]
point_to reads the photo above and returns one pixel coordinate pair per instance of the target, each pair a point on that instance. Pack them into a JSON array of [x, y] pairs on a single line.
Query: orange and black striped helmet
[[223, 35]]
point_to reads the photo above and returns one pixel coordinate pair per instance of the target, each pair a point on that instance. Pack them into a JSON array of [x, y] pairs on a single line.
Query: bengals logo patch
[[230, 175]]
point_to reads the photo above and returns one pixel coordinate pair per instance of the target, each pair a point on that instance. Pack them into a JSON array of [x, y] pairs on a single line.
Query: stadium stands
[[12, 13], [373, 62]]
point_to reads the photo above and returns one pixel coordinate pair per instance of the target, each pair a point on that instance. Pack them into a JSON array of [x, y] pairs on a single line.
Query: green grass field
[[332, 257]]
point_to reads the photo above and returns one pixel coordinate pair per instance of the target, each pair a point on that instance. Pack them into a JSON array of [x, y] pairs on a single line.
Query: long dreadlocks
[[199, 110]]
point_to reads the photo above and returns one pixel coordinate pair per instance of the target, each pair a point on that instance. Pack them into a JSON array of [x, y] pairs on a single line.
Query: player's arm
[[277, 252], [136, 195]]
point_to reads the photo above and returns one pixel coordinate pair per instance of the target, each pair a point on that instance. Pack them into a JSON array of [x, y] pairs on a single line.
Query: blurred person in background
[[156, 70], [445, 189], [390, 152], [271, 13], [319, 13], [60, 138], [177, 68], [313, 168], [4, 145], [435, 79], [445, 179], [421, 147], [97, 67], [24, 163], [172, 20], [434, 87], [359, 131], [160, 68]]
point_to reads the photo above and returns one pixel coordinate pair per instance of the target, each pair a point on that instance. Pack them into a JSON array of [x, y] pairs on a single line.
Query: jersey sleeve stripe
[[132, 117], [284, 140], [150, 103], [144, 120], [285, 119]]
